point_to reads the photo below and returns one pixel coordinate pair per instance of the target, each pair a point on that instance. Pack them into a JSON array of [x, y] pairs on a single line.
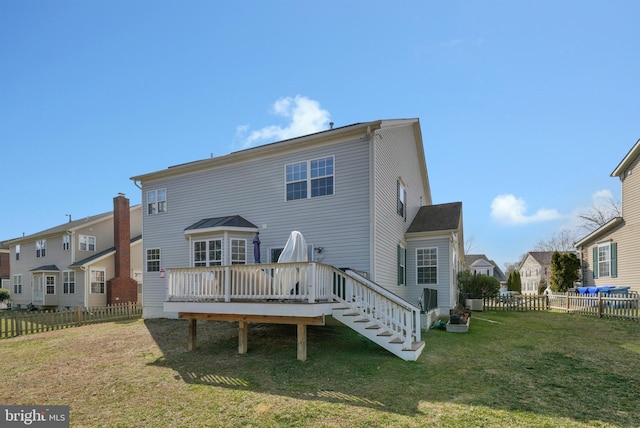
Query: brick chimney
[[122, 288]]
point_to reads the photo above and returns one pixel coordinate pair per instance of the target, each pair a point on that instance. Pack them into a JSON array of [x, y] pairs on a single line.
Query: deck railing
[[308, 282], [276, 281]]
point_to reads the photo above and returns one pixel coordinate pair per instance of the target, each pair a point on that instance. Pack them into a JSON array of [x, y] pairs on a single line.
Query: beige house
[[610, 255], [81, 262], [535, 270]]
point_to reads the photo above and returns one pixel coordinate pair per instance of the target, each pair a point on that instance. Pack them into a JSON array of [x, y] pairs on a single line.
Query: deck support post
[[302, 342], [243, 328], [193, 331]]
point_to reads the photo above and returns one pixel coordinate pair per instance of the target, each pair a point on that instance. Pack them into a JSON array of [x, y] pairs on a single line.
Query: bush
[[477, 286], [4, 295]]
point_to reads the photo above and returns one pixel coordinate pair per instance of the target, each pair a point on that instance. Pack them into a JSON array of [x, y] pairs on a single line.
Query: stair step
[[351, 314], [385, 333], [362, 320], [414, 346], [341, 308], [396, 340], [373, 327]]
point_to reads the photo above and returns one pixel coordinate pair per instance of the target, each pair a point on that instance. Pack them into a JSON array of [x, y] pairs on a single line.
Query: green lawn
[[513, 369]]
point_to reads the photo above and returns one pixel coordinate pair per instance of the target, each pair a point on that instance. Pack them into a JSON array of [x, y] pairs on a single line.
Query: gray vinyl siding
[[395, 156], [444, 272], [255, 190]]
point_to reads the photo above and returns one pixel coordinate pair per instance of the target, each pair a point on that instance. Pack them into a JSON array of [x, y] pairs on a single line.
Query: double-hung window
[[41, 248], [66, 242], [605, 258], [402, 200], [310, 179], [153, 260], [50, 282], [68, 282], [427, 265], [157, 201], [18, 252], [238, 251], [97, 281], [87, 243], [207, 253], [402, 265], [17, 284]]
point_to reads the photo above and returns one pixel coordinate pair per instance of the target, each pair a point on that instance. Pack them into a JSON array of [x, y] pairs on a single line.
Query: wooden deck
[[292, 293]]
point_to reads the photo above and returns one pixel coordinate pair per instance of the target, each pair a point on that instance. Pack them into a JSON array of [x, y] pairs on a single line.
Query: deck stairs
[[379, 315]]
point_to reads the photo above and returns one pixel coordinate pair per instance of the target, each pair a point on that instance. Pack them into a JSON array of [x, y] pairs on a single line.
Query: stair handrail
[[405, 325]]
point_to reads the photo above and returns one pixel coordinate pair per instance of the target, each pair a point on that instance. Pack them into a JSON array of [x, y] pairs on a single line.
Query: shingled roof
[[229, 221], [432, 218]]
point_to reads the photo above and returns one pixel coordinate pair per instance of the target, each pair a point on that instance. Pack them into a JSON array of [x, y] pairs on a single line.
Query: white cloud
[[305, 117], [507, 209], [602, 198]]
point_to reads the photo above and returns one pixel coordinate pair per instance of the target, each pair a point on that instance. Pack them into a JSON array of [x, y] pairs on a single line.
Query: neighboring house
[[87, 262], [359, 195], [4, 266], [481, 264], [610, 255], [535, 270]]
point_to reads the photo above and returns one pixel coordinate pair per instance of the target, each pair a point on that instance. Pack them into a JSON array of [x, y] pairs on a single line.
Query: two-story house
[[358, 194], [610, 255], [535, 270], [481, 264], [88, 262]]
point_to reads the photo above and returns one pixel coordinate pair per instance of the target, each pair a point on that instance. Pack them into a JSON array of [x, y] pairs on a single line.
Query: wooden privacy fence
[[601, 305], [17, 323]]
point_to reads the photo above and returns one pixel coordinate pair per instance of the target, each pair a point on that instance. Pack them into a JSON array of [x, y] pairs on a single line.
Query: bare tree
[[469, 245], [512, 267], [561, 241], [600, 214]]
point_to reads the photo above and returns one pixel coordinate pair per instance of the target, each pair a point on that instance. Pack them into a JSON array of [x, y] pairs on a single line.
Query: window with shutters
[[605, 260]]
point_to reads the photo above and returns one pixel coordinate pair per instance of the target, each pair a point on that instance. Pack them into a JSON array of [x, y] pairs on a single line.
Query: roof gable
[[627, 160]]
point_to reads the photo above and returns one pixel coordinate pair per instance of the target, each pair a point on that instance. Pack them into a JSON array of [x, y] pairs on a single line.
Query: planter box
[[458, 328]]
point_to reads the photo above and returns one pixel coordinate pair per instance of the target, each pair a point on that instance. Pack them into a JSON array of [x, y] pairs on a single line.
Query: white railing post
[[227, 284], [311, 280]]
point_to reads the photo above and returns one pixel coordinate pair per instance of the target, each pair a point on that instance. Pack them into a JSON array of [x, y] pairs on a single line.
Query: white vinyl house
[[358, 194]]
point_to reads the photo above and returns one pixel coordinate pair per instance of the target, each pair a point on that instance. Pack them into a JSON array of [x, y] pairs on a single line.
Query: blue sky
[[526, 107]]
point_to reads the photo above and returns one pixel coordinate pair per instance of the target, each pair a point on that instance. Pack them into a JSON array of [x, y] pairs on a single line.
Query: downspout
[[135, 182], [87, 284]]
